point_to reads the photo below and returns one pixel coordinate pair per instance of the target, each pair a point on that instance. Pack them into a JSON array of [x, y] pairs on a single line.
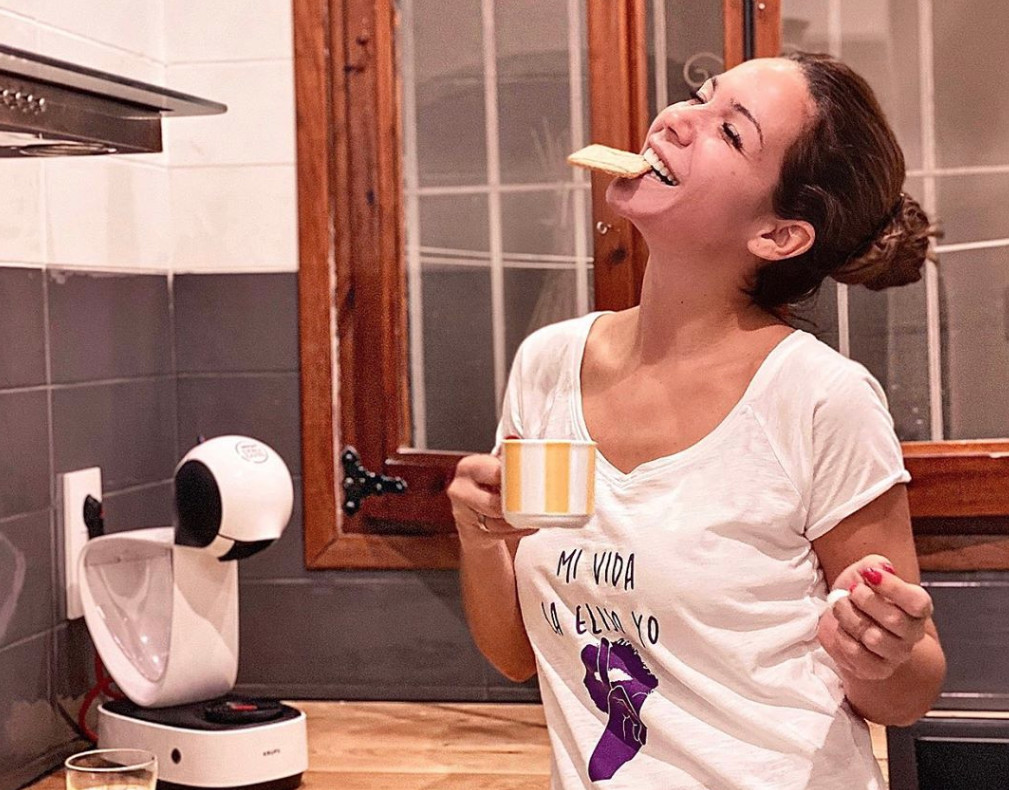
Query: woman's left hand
[[872, 631]]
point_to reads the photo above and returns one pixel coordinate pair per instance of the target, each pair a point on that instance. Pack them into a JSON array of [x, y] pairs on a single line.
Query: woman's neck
[[690, 309]]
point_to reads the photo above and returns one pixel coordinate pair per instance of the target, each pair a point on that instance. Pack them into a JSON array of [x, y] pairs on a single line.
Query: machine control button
[[242, 711]]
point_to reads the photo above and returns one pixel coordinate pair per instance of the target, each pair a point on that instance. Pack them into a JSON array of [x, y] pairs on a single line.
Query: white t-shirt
[[675, 633]]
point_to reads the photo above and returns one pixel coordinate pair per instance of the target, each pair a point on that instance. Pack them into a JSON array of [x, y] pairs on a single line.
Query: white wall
[[220, 198], [233, 176]]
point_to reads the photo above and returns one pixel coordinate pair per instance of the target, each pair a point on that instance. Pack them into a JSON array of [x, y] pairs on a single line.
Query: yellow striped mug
[[547, 482]]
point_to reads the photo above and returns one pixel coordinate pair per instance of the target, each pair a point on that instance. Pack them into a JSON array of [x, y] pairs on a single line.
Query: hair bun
[[897, 254]]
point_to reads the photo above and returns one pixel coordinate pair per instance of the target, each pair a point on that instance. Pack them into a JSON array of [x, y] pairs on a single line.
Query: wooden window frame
[[352, 293]]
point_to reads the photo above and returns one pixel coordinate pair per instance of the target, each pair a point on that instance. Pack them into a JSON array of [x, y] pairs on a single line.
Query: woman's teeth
[[659, 168]]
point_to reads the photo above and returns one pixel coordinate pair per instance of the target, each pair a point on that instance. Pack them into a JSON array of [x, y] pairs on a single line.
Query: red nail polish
[[872, 576], [512, 436], [851, 589], [886, 566]]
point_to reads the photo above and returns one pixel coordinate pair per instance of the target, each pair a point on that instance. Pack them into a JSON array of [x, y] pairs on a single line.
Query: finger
[[482, 469], [872, 636], [886, 614], [858, 660], [912, 598], [466, 497]]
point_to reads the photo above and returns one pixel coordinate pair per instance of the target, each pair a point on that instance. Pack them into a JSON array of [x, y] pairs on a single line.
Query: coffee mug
[[112, 769], [547, 482]]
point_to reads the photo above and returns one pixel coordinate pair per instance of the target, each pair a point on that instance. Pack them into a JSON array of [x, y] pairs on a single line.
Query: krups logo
[[271, 752], [253, 452]]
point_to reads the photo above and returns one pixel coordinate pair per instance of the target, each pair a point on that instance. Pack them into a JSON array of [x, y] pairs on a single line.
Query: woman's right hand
[[475, 493]]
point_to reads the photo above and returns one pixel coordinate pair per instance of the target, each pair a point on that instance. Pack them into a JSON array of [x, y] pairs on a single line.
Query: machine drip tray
[[225, 713]]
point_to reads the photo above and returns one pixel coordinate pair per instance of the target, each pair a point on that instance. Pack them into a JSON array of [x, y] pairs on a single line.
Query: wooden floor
[[423, 746]]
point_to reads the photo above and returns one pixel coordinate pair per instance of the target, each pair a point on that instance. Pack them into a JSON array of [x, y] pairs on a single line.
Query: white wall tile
[[241, 218], [105, 213], [21, 227], [96, 55], [197, 31], [136, 27], [258, 127], [17, 31], [25, 7]]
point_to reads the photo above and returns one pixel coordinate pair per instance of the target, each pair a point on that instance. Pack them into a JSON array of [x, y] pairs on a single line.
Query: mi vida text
[[609, 569]]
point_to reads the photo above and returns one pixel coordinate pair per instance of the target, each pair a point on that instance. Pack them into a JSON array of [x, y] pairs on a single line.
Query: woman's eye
[[733, 136]]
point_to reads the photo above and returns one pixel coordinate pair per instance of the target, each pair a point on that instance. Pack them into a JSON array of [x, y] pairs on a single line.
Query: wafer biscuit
[[610, 160]]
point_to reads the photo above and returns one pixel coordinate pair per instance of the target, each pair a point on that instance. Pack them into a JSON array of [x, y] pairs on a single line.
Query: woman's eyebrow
[[741, 110]]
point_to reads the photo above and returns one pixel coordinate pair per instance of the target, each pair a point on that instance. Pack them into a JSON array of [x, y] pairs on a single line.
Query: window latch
[[359, 483]]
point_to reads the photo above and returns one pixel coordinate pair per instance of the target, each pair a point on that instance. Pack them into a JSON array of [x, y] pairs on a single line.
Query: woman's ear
[[788, 238]]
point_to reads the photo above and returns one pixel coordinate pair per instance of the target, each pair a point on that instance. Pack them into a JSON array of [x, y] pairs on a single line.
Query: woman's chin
[[620, 195], [638, 198]]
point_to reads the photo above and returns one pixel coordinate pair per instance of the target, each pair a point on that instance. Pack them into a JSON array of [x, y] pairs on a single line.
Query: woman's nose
[[676, 124]]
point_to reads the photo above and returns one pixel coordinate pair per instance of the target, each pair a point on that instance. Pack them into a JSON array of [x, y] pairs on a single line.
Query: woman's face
[[724, 149]]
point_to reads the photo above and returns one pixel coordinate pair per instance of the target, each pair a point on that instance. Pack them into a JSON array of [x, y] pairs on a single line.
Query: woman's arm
[[487, 567], [882, 636]]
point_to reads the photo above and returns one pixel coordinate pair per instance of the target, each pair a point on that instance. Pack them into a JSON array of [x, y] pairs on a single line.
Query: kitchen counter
[[423, 746]]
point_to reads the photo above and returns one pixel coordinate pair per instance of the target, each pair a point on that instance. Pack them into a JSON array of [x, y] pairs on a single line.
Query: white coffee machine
[[162, 608]]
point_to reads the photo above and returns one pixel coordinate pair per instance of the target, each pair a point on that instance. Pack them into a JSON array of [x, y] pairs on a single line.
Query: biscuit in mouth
[[609, 160]]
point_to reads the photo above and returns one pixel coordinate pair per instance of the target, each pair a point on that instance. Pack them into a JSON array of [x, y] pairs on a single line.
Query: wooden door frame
[[352, 305]]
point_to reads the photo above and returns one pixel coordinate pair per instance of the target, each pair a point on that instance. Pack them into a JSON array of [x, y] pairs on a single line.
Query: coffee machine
[[161, 605]]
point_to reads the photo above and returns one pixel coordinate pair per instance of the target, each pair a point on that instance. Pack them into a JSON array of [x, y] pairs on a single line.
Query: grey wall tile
[[970, 617], [515, 692], [24, 453], [370, 635], [265, 407], [501, 689], [285, 559], [73, 659], [105, 326], [128, 429], [236, 322], [22, 328], [148, 507], [26, 582], [29, 730]]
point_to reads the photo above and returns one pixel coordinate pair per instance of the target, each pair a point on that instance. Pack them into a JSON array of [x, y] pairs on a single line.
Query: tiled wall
[[86, 378]]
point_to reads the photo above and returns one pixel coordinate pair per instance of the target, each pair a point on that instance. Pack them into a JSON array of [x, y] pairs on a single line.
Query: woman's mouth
[[663, 173]]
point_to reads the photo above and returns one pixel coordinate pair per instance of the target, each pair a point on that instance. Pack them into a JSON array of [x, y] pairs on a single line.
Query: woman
[[683, 637]]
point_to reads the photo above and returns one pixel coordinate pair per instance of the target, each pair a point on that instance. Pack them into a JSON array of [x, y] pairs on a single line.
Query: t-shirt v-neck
[[655, 465]]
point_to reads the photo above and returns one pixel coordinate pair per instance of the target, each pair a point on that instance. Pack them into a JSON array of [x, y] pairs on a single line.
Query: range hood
[[52, 108]]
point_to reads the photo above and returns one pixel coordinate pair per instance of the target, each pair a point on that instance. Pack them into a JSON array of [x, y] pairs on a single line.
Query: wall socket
[[76, 487]]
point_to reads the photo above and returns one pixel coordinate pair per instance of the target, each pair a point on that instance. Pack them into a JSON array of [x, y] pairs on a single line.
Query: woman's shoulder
[[811, 372], [555, 340]]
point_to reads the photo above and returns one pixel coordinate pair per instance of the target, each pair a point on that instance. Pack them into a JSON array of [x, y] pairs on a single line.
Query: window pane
[[542, 223], [686, 37], [888, 334], [535, 298], [446, 73], [973, 208], [459, 397], [534, 91], [454, 222], [819, 315], [975, 298], [971, 102]]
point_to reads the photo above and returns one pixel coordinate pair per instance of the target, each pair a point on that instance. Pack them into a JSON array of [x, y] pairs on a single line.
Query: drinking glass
[[112, 769]]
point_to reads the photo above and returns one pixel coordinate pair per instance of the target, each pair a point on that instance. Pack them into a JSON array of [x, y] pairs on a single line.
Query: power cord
[[103, 686]]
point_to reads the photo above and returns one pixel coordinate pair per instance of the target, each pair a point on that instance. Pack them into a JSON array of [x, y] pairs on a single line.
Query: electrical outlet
[[76, 487]]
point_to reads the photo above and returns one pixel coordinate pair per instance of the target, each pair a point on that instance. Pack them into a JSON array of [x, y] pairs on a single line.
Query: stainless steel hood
[[52, 108]]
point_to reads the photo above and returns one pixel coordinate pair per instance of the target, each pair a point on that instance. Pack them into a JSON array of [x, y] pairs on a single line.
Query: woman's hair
[[844, 175]]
